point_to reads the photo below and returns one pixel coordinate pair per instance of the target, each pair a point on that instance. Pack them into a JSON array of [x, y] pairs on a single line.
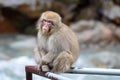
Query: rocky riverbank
[[96, 34]]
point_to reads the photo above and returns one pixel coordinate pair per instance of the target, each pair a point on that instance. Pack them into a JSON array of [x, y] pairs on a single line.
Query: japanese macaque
[[57, 46]]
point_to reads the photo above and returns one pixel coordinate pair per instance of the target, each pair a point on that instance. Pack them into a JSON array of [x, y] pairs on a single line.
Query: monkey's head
[[49, 22]]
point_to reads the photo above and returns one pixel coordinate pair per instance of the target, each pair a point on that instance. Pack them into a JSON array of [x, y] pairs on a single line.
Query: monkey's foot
[[45, 68]]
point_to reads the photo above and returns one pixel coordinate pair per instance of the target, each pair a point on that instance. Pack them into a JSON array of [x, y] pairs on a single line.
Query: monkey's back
[[69, 39]]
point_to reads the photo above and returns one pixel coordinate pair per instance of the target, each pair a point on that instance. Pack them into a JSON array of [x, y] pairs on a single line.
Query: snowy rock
[[16, 2], [117, 33], [110, 10], [93, 32]]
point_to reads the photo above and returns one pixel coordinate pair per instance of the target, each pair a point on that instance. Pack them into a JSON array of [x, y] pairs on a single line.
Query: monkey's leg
[[63, 62]]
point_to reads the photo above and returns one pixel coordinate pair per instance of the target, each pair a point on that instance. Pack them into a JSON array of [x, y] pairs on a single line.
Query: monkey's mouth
[[47, 27]]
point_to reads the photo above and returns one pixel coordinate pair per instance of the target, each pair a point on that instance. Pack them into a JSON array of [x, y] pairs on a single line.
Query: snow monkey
[[57, 46]]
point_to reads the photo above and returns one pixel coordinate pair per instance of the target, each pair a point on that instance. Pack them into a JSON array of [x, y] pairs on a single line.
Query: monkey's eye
[[44, 20], [50, 22]]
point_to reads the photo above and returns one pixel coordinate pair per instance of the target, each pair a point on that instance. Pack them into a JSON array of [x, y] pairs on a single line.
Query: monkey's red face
[[47, 25]]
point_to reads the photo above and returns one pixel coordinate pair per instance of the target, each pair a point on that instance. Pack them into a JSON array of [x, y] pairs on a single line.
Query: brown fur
[[57, 48]]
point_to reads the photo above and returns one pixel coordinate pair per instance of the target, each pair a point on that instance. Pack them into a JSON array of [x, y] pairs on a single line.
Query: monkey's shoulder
[[62, 35]]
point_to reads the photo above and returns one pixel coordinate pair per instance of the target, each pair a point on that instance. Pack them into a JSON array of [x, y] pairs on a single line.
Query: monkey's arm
[[55, 48], [38, 55], [49, 57]]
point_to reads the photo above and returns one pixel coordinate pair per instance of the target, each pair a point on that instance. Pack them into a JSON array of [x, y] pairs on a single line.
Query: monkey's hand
[[45, 60], [48, 58], [38, 56]]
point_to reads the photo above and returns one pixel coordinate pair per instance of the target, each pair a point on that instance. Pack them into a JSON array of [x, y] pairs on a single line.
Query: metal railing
[[53, 76], [50, 75]]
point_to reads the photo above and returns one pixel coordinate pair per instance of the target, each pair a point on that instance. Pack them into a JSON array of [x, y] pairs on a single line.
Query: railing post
[[28, 74]]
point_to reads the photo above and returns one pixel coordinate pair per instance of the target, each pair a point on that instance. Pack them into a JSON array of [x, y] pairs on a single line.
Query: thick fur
[[57, 48]]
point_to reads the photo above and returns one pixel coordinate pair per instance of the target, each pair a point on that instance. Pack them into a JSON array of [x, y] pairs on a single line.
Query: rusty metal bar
[[50, 75]]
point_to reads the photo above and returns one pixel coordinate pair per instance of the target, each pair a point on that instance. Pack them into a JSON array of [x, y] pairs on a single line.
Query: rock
[[112, 27], [87, 13], [26, 9], [15, 3], [117, 33], [6, 26], [92, 32], [68, 2], [82, 25], [96, 33], [17, 19], [104, 60], [106, 33], [116, 2], [31, 30], [117, 20], [86, 36], [111, 11]]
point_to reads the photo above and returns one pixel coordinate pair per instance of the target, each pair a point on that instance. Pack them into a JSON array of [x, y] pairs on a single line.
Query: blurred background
[[95, 22]]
